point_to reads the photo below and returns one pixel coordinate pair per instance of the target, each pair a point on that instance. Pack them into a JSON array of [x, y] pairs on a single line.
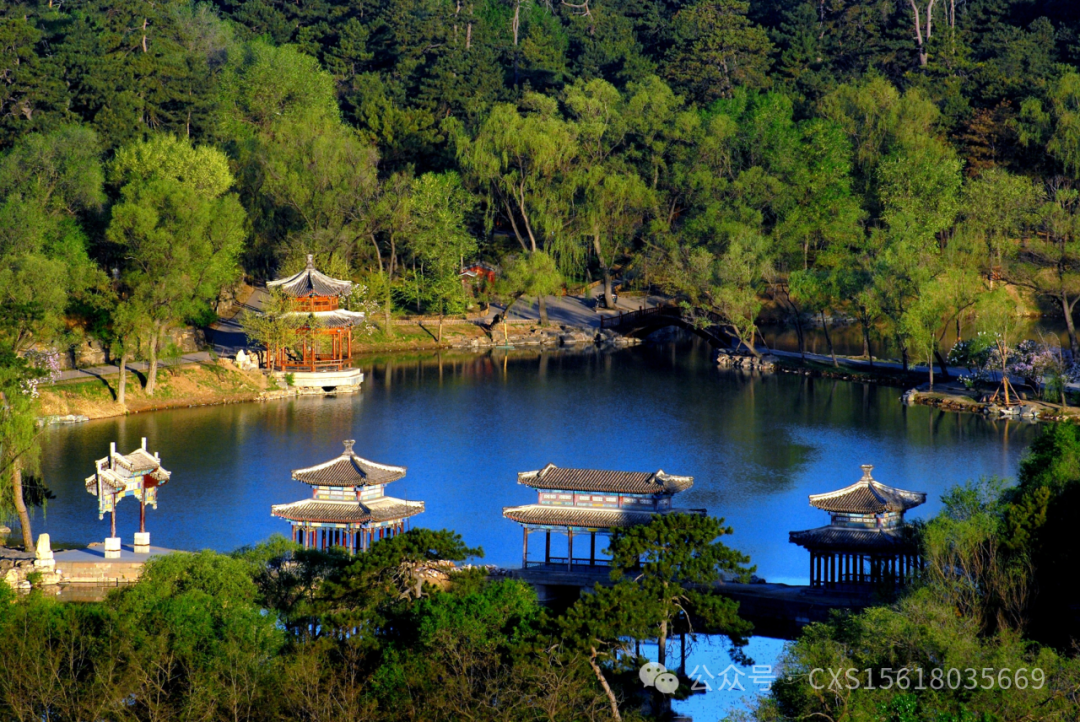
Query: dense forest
[[909, 164]]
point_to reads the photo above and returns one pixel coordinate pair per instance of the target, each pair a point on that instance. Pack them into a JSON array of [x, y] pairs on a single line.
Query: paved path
[[96, 554], [574, 310], [97, 372]]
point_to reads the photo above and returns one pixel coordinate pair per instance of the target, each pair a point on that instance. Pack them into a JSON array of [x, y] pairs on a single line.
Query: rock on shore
[[727, 360]]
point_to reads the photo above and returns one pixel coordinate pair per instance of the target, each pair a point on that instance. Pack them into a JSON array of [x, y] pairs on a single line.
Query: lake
[[465, 425]]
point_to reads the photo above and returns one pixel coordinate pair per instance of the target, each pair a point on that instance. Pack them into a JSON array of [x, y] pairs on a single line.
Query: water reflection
[[847, 338], [464, 425]]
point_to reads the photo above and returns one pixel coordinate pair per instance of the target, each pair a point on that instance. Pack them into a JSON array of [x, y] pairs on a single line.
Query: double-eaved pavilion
[[867, 542], [579, 502], [348, 508], [326, 338]]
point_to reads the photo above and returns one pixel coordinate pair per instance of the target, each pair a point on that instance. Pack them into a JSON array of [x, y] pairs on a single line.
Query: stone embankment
[[765, 364], [551, 336], [960, 400]]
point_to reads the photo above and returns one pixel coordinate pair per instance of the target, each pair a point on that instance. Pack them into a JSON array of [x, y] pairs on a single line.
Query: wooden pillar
[[547, 547], [569, 549], [592, 549], [525, 547]]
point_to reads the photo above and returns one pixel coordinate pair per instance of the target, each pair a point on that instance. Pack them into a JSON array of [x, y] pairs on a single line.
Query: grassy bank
[[414, 337], [181, 386]]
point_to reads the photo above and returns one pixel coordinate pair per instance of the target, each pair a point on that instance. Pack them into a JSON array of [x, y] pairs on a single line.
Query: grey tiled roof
[[867, 496], [840, 538], [582, 517], [349, 470], [385, 508], [626, 482], [339, 318], [310, 282]]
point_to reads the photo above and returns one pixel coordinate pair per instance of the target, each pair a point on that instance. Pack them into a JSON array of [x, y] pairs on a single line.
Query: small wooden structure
[[867, 542], [138, 474], [479, 271], [579, 502], [348, 508], [326, 339]]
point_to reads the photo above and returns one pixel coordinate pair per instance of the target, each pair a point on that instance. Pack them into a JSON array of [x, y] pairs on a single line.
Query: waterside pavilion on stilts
[[348, 508], [582, 503], [868, 543]]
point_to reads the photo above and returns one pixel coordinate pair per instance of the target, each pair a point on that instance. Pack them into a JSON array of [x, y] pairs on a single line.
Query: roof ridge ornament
[[348, 444], [311, 261], [866, 469]]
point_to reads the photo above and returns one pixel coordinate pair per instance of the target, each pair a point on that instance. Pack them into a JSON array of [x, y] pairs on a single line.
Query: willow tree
[[524, 159], [532, 274], [616, 205], [19, 451]]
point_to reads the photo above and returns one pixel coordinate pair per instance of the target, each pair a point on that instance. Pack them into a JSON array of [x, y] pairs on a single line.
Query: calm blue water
[[464, 428]]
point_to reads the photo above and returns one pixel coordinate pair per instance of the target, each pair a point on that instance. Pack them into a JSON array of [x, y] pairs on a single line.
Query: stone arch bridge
[[643, 322]]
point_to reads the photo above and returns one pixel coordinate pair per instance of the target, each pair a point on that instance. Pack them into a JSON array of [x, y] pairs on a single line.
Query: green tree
[[522, 159], [275, 327], [200, 644], [671, 559], [599, 626], [532, 274], [46, 183], [180, 230], [1055, 129], [440, 239], [20, 453], [998, 314], [717, 49], [727, 288], [1048, 263]]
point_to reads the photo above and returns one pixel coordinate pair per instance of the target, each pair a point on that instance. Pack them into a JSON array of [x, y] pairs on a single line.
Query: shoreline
[[217, 382], [220, 382]]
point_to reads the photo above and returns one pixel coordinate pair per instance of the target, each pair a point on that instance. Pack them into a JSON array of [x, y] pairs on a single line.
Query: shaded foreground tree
[[676, 560]]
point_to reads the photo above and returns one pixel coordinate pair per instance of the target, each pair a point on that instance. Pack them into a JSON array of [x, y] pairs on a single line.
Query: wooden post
[[569, 549], [142, 511], [592, 549], [525, 548], [547, 547]]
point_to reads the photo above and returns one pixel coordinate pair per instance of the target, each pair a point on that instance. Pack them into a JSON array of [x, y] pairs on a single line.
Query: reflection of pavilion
[[326, 339], [348, 508], [577, 502], [867, 542]]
